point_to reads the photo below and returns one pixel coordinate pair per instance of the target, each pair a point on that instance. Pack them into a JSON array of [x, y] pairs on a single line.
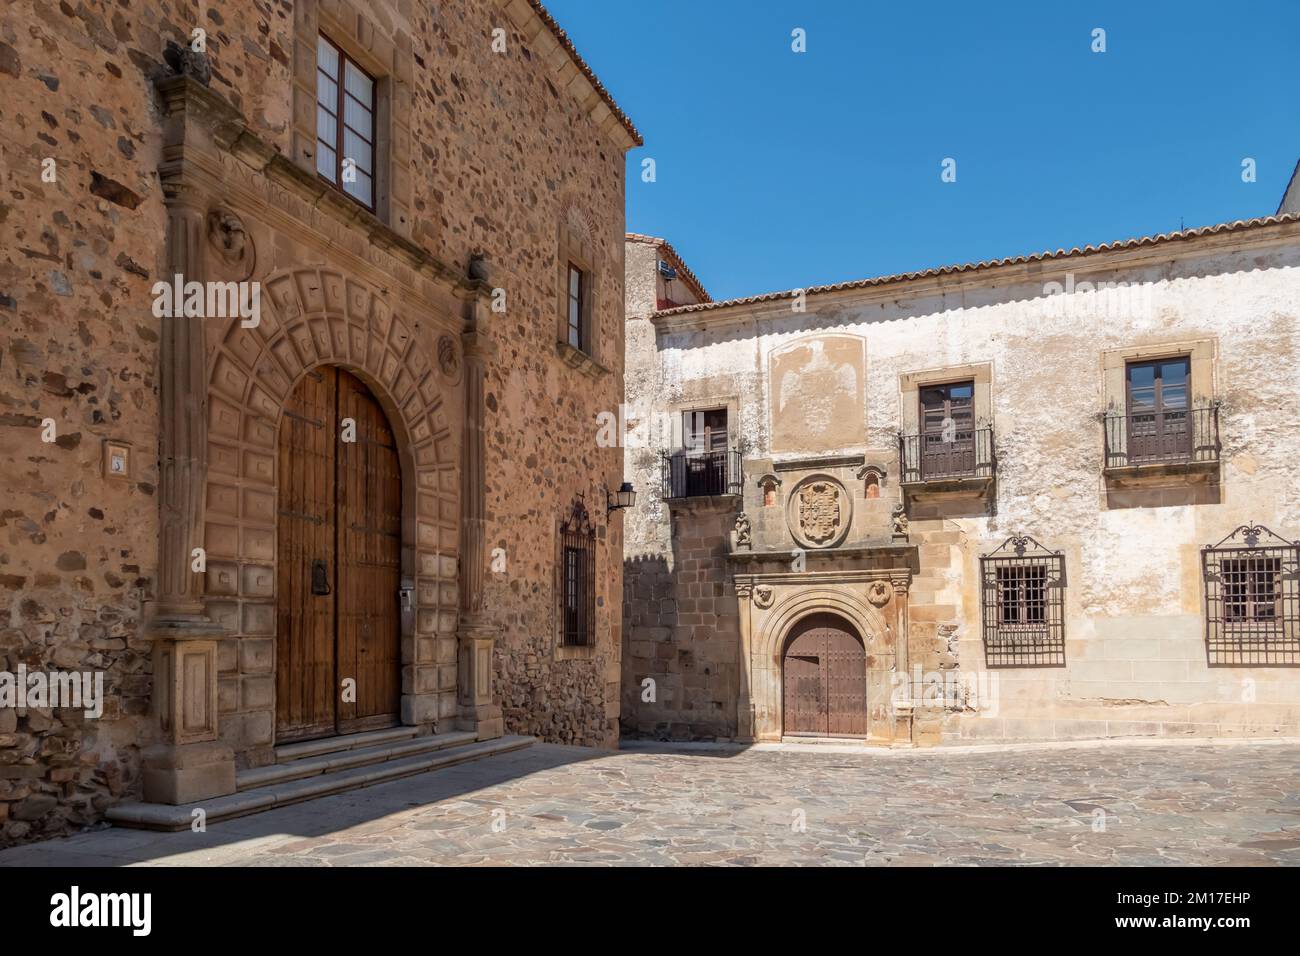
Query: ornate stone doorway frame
[[772, 604]]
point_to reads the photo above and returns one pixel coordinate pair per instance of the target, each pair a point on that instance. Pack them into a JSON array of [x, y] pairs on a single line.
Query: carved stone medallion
[[764, 595], [878, 593], [818, 512], [449, 359]]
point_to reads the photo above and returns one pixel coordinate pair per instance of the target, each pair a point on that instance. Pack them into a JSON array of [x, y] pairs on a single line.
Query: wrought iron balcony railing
[[1165, 437], [689, 474], [950, 455]]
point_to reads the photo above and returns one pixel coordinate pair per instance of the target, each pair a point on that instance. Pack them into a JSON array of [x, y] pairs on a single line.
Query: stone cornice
[[185, 100]]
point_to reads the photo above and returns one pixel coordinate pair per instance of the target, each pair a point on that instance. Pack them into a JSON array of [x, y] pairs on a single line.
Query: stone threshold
[[345, 757], [388, 763]]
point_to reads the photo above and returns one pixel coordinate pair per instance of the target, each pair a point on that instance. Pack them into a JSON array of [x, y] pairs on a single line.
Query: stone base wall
[[683, 631]]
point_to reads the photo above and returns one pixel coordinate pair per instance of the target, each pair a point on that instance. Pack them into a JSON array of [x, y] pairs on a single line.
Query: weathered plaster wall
[[1134, 629], [500, 153]]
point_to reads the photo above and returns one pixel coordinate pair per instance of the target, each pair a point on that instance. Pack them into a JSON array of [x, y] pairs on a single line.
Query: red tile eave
[[898, 278], [682, 268]]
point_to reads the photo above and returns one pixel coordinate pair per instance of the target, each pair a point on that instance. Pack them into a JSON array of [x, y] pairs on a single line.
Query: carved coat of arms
[[819, 511]]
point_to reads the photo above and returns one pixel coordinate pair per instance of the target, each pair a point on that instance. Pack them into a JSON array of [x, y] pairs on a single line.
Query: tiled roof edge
[[680, 263], [1237, 226]]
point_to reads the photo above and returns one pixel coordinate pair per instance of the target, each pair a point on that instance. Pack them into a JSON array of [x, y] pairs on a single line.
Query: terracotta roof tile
[[682, 268], [1238, 226]]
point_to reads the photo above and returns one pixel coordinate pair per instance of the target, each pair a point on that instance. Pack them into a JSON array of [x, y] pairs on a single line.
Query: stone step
[[161, 816], [329, 745], [300, 767]]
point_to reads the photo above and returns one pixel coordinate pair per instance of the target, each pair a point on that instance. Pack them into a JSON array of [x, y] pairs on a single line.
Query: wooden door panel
[[305, 526], [824, 682], [803, 690], [370, 543], [340, 503]]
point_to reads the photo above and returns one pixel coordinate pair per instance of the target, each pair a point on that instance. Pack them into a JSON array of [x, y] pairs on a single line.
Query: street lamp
[[625, 497]]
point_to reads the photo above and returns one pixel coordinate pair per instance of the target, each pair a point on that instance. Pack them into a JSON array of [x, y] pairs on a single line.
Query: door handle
[[320, 582]]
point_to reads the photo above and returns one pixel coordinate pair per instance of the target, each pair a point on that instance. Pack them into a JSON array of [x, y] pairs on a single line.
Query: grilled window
[[577, 577], [1252, 599], [1024, 605], [345, 123]]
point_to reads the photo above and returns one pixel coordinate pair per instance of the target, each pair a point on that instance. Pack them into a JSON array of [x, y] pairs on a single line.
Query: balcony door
[[947, 430], [705, 434], [1159, 427]]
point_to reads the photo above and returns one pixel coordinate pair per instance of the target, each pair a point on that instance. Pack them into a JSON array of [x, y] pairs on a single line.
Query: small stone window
[[1023, 589], [345, 123], [576, 312], [1252, 599], [577, 578], [577, 307]]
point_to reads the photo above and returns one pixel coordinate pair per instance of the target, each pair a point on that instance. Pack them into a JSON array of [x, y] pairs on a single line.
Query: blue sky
[[776, 169]]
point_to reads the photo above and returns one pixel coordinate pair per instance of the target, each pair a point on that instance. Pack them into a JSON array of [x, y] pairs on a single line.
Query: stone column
[[744, 700], [188, 763], [475, 635]]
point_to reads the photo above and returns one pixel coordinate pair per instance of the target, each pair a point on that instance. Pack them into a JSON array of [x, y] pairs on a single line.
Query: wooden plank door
[[339, 562], [305, 527], [803, 686], [824, 681], [370, 561]]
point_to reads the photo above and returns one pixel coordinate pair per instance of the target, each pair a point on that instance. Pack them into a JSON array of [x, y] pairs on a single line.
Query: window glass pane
[[362, 189], [575, 282], [964, 391], [355, 148], [358, 84], [327, 92], [1174, 372], [327, 58], [326, 126], [325, 161], [359, 118], [575, 335]]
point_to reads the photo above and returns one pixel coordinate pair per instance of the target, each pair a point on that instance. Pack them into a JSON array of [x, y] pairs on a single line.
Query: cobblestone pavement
[[1099, 804]]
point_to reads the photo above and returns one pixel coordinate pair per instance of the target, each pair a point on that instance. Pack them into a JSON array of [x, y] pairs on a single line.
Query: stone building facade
[[1045, 497], [427, 298]]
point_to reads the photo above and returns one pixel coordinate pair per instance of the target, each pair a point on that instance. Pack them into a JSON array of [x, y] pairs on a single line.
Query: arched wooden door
[[824, 680], [339, 531]]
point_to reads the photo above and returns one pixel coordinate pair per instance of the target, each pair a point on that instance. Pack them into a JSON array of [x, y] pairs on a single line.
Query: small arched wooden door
[[339, 543], [824, 680]]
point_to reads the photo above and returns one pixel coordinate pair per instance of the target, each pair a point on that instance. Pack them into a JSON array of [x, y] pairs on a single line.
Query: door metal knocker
[[320, 582]]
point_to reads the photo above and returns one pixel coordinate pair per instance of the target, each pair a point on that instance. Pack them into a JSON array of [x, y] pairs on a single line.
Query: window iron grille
[[1252, 599], [577, 577], [1162, 436], [1023, 590]]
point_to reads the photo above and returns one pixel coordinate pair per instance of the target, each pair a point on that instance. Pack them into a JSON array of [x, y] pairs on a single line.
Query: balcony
[[1160, 441], [949, 460], [690, 474]]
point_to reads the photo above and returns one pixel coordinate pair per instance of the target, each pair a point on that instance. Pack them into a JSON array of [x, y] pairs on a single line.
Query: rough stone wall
[[1135, 647], [683, 632], [502, 154]]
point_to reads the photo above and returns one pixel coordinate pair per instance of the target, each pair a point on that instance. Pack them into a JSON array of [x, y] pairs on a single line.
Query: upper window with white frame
[[345, 123]]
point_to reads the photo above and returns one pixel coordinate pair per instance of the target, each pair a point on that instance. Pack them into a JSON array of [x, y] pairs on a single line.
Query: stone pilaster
[[188, 763], [744, 700], [478, 711]]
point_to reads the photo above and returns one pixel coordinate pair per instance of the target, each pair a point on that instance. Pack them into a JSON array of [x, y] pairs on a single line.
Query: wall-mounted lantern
[[625, 497]]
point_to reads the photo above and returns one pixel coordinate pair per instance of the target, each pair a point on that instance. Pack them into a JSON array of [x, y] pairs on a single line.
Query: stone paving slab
[[1212, 804]]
